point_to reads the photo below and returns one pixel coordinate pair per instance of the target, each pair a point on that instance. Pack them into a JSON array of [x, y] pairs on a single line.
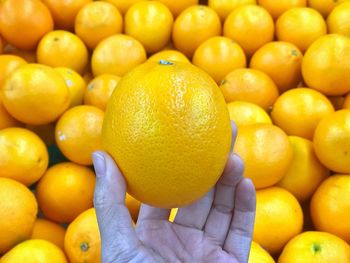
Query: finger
[[239, 237], [234, 135], [113, 217], [220, 215], [152, 213]]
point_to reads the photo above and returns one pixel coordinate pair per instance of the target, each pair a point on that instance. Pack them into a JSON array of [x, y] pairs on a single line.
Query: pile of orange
[[282, 67]]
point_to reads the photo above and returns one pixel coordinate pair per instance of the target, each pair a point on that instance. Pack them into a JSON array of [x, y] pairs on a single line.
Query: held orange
[[277, 8], [176, 7], [338, 20], [259, 254], [133, 205], [218, 56], [224, 7], [50, 231], [173, 144]]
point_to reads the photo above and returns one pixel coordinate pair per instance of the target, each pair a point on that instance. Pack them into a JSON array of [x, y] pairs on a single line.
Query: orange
[[75, 83], [298, 111], [65, 191], [9, 63], [224, 7], [6, 120], [35, 89], [337, 101], [176, 7], [122, 5], [65, 11], [277, 8], [300, 26], [162, 135], [18, 210], [193, 26], [218, 56], [24, 22], [305, 173], [315, 247], [150, 22], [326, 65], [63, 49], [278, 218], [246, 113], [169, 55], [49, 231], [82, 242], [172, 215], [281, 61], [96, 21], [338, 20], [258, 254], [133, 205], [332, 141], [23, 155], [46, 132], [266, 152], [28, 55], [251, 26], [249, 85], [78, 133], [346, 103], [325, 7], [34, 251], [330, 206], [100, 89], [117, 55]]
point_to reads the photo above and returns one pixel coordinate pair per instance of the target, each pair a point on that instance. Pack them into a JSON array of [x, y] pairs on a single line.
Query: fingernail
[[248, 181], [99, 163]]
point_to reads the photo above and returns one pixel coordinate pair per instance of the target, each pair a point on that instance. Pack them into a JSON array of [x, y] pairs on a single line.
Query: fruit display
[[156, 84]]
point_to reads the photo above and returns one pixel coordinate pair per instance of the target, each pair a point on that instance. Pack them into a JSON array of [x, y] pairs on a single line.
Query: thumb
[[114, 220]]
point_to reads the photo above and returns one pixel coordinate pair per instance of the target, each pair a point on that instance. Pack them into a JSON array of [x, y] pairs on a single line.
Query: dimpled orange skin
[[332, 141], [150, 22], [193, 26], [218, 56], [173, 144], [277, 8], [35, 89], [326, 65], [9, 63]]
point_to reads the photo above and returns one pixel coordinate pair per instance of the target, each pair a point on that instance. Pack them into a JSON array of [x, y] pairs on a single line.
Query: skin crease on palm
[[216, 228]]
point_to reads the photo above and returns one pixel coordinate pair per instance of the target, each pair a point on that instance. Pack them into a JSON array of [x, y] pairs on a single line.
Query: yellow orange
[[266, 152], [346, 103], [49, 231], [6, 120], [278, 8], [133, 205], [122, 5], [176, 7], [338, 20], [28, 55], [325, 7], [258, 254], [172, 215], [9, 63], [224, 7], [170, 55], [159, 135]]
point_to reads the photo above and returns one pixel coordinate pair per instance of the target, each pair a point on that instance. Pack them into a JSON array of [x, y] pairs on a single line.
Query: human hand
[[216, 228]]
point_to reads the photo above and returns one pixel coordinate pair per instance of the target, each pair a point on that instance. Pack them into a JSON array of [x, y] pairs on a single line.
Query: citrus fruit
[[169, 55], [46, 132], [65, 191], [330, 205], [337, 101], [173, 144], [298, 111], [150, 22], [18, 210], [173, 213], [315, 247], [23, 155], [300, 26], [6, 120], [346, 103], [78, 133], [122, 5], [100, 89], [9, 63], [49, 231], [133, 205], [279, 210], [176, 7], [224, 7], [23, 27], [305, 173], [218, 56], [28, 55], [251, 26], [82, 242], [35, 89], [96, 21], [324, 6], [266, 152], [277, 8], [326, 65], [259, 255], [117, 55], [65, 11], [332, 141], [193, 26], [61, 48], [281, 61], [246, 113], [249, 85], [338, 20]]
